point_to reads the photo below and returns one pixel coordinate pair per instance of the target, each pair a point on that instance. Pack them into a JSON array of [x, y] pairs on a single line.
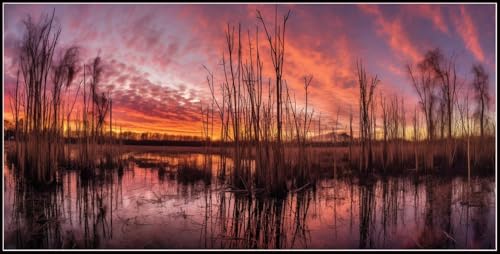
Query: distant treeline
[[163, 142], [10, 135], [127, 136]]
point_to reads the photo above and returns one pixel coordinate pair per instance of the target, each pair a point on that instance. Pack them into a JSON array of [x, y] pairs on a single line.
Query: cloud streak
[[394, 33], [467, 31]]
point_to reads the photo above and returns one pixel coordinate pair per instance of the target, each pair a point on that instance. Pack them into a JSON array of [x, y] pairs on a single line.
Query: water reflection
[[179, 201]]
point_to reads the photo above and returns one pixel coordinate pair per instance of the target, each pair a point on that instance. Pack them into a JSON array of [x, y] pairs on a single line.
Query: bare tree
[[277, 55], [463, 109], [415, 136], [445, 73], [307, 116], [480, 86], [385, 125], [423, 82], [441, 120], [366, 89]]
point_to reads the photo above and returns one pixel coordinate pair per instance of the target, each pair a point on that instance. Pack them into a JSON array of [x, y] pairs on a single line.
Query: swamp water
[[148, 205]]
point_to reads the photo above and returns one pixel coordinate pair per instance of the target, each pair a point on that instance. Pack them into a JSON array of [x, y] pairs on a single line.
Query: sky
[[154, 54]]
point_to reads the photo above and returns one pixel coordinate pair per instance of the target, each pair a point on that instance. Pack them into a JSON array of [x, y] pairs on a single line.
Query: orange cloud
[[331, 72]]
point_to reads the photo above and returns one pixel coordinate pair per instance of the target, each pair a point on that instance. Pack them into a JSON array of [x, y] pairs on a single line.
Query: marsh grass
[[42, 98], [269, 138], [190, 172]]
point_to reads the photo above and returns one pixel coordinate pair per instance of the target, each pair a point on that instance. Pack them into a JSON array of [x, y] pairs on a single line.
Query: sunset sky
[[153, 54]]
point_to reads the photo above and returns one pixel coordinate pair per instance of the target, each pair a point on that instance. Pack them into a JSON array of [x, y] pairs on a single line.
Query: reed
[[270, 136], [42, 105]]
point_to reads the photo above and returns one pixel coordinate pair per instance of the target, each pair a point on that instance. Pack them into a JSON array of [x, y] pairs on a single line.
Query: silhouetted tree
[[445, 74], [366, 90], [424, 83], [480, 86]]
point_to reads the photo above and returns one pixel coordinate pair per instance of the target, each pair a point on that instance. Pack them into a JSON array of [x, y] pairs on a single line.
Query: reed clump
[[42, 107], [266, 131], [189, 172]]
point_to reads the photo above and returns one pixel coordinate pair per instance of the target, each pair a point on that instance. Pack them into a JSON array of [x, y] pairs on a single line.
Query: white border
[[255, 3]]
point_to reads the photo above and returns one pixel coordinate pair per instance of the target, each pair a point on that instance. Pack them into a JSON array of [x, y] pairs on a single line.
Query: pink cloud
[[431, 12], [468, 33], [394, 32]]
